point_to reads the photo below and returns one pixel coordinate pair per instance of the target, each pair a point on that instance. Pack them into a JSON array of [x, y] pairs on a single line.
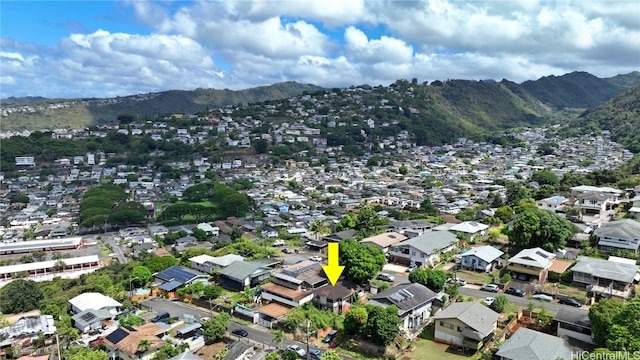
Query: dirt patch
[[12, 318], [210, 351]]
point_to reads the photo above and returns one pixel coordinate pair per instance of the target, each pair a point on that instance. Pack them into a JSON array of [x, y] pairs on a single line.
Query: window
[[447, 325], [459, 329], [413, 253]]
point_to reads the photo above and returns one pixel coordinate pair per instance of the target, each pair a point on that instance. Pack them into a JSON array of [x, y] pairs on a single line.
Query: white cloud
[[329, 43]]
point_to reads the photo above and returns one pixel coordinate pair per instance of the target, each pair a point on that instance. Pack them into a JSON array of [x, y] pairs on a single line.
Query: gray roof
[[606, 269], [527, 344], [240, 270], [405, 297], [535, 257], [431, 242], [186, 356], [486, 253], [580, 318], [621, 229], [90, 316], [471, 313]]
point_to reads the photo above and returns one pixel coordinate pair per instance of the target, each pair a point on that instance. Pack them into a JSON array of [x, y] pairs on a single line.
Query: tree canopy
[[20, 296], [616, 325], [215, 328], [539, 228], [433, 279], [362, 261]]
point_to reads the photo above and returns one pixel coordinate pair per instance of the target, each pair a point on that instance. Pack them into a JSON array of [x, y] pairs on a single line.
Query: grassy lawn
[[474, 277], [425, 348]]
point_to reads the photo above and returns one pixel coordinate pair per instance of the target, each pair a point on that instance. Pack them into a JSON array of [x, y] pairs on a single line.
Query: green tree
[[362, 262], [403, 169], [545, 177], [516, 192], [433, 279], [545, 191], [366, 219], [428, 208], [84, 353], [20, 296], [144, 345], [235, 205], [539, 228], [383, 324], [602, 316], [19, 198], [504, 213], [260, 146], [278, 336], [158, 263], [236, 233], [175, 212], [319, 228], [200, 234], [355, 319], [141, 276], [330, 355], [500, 303], [215, 328]]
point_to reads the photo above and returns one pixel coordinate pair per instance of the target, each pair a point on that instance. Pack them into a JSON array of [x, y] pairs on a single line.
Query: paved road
[[110, 240], [521, 301], [257, 333]]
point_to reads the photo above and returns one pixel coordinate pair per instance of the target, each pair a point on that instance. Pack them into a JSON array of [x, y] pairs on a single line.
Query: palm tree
[[318, 227], [144, 345], [278, 336]]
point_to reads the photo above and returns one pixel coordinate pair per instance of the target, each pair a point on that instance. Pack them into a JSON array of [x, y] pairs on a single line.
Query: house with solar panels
[[123, 342], [414, 302], [93, 310], [169, 280]]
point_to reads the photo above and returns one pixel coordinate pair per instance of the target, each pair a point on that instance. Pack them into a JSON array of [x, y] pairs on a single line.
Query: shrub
[[506, 278]]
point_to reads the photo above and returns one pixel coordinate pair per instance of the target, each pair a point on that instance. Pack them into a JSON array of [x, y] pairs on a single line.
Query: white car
[[489, 300], [297, 349], [316, 258], [385, 277], [278, 243], [543, 297]]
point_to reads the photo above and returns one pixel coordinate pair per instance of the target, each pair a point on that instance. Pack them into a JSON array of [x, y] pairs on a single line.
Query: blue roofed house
[[482, 258], [170, 279], [424, 249], [281, 207], [552, 204]]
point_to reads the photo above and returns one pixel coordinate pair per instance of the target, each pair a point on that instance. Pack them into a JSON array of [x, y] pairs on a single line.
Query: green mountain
[[81, 113], [620, 115], [579, 89]]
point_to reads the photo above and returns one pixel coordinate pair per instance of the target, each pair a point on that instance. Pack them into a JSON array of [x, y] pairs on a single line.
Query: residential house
[[337, 298], [240, 274], [208, 263], [269, 232], [384, 241], [534, 345], [340, 235], [413, 302], [411, 228], [293, 284], [170, 279], [573, 324], [424, 249], [466, 324], [635, 207], [29, 326], [90, 319], [531, 265], [94, 301], [483, 258], [619, 235], [553, 204], [606, 277], [471, 230], [123, 342], [595, 200], [208, 229]]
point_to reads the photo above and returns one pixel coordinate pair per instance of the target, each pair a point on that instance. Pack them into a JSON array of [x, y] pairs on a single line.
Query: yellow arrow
[[333, 270]]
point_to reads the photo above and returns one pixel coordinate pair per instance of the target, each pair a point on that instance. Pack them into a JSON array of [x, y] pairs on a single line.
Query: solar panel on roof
[[117, 336], [88, 316]]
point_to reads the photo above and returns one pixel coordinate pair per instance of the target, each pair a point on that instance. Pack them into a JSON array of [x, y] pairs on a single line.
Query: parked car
[[515, 291], [490, 288], [385, 277], [330, 336], [570, 302], [205, 319], [286, 250], [316, 258], [412, 267], [240, 332], [160, 317], [489, 300], [543, 297], [297, 349], [461, 282], [278, 243], [315, 354]]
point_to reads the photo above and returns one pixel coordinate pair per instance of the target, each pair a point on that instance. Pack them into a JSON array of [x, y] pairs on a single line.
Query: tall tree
[[362, 262], [141, 276], [20, 296], [215, 328], [433, 279], [539, 228]]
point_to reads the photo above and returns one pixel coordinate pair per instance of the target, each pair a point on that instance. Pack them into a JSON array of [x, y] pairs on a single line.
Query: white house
[[424, 249], [470, 229], [482, 258], [94, 301], [413, 302]]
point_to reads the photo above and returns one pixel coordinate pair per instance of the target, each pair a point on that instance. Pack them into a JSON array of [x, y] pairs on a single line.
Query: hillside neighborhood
[[469, 249]]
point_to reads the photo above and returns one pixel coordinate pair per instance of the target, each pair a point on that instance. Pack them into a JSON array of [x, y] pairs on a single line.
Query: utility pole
[[58, 346]]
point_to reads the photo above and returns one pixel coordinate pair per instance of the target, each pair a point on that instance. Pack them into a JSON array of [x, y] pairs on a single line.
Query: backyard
[[425, 348]]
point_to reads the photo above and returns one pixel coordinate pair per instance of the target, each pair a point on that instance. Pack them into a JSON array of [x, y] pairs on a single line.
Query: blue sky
[[117, 48]]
